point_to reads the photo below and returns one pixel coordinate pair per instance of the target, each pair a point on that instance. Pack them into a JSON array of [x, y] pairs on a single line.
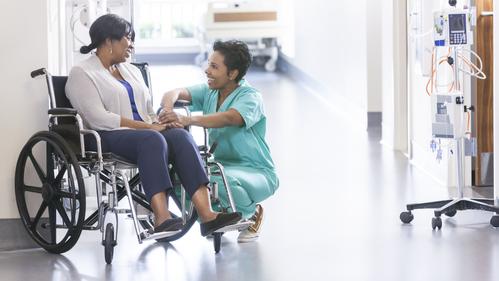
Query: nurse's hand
[[168, 117], [173, 125]]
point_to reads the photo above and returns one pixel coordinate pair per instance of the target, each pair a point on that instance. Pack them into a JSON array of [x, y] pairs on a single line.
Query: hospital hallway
[[335, 215]]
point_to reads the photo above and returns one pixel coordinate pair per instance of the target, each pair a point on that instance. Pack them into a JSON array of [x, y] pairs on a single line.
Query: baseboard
[[374, 119], [14, 236]]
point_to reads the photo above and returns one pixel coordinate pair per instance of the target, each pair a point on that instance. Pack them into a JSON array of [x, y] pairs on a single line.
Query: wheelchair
[[54, 165]]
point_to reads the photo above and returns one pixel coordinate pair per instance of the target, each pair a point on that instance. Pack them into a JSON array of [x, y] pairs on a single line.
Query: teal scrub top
[[237, 146]]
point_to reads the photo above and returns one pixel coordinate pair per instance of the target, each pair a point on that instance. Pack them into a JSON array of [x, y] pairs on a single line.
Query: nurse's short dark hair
[[109, 26], [236, 56]]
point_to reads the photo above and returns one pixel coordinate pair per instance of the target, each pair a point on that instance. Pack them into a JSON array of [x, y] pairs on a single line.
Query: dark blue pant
[[152, 151]]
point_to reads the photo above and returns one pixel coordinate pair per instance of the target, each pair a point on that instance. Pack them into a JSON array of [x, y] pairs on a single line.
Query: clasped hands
[[170, 119]]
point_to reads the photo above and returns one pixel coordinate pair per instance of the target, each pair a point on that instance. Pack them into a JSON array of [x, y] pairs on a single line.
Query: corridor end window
[[167, 23]]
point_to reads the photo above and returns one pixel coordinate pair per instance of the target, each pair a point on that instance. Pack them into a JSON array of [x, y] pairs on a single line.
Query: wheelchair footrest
[[146, 235], [143, 217], [238, 226]]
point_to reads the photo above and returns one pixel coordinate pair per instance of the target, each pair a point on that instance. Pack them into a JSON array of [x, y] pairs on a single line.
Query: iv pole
[[450, 207]]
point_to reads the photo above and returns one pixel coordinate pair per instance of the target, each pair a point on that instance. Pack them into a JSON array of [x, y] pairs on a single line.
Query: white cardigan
[[102, 100]]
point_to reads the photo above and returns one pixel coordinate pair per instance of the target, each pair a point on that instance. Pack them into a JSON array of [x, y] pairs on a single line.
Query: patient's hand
[[158, 127]]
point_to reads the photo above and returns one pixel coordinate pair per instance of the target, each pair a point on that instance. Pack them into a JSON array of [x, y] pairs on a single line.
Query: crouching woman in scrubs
[[233, 112]]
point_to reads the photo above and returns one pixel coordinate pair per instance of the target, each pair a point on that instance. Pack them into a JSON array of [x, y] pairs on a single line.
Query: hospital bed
[[258, 23]]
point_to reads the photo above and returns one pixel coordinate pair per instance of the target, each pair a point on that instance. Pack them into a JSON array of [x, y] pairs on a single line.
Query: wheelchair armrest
[[63, 111], [213, 147], [208, 151], [98, 144], [181, 103], [178, 104]]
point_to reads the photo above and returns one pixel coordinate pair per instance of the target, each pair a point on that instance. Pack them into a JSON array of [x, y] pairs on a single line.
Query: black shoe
[[222, 220], [170, 225]]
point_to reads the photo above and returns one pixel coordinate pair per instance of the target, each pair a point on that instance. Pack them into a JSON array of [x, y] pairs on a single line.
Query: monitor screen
[[456, 22]]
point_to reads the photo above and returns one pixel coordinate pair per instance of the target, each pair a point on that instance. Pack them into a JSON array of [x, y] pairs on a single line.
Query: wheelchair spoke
[[72, 201], [66, 194], [39, 170], [60, 175], [34, 189], [73, 214], [71, 180], [62, 212], [39, 214]]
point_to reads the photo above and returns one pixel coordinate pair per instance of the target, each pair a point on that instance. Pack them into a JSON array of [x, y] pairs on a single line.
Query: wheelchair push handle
[[38, 72], [181, 103]]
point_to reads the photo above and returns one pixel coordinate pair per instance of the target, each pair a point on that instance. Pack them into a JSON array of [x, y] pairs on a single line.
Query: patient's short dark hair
[[236, 56], [107, 26]]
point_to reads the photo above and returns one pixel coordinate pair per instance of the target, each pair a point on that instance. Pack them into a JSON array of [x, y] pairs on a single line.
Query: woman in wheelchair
[[112, 98], [233, 112]]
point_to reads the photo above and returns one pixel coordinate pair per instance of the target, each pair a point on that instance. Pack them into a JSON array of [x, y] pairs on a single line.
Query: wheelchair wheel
[[109, 243], [176, 213], [50, 192]]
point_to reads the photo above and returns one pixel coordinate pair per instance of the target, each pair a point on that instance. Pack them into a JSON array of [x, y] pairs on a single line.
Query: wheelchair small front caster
[[494, 220], [217, 240], [109, 243], [451, 213], [436, 222], [406, 217]]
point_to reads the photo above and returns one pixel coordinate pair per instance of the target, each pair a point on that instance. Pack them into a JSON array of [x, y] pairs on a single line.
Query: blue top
[[136, 115], [238, 146]]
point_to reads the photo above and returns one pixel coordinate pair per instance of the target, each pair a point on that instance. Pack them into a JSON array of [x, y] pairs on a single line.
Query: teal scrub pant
[[248, 187]]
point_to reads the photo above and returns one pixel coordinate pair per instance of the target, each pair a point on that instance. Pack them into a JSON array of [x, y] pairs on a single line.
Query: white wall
[[330, 46], [394, 75], [496, 102], [374, 90], [23, 109]]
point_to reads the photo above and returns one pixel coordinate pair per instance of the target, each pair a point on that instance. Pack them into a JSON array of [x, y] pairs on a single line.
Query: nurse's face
[[218, 76]]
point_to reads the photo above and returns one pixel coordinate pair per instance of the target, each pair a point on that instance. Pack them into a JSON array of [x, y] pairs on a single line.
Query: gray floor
[[335, 216]]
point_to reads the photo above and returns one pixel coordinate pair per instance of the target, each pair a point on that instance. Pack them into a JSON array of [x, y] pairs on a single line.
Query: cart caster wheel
[[406, 217], [270, 66], [436, 222], [217, 240], [109, 243], [451, 213], [494, 220]]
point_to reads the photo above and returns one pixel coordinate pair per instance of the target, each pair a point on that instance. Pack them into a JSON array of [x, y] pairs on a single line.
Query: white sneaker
[[253, 231], [247, 235]]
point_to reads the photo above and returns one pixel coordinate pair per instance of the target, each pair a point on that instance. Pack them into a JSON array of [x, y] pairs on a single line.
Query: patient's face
[[217, 71], [122, 49]]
